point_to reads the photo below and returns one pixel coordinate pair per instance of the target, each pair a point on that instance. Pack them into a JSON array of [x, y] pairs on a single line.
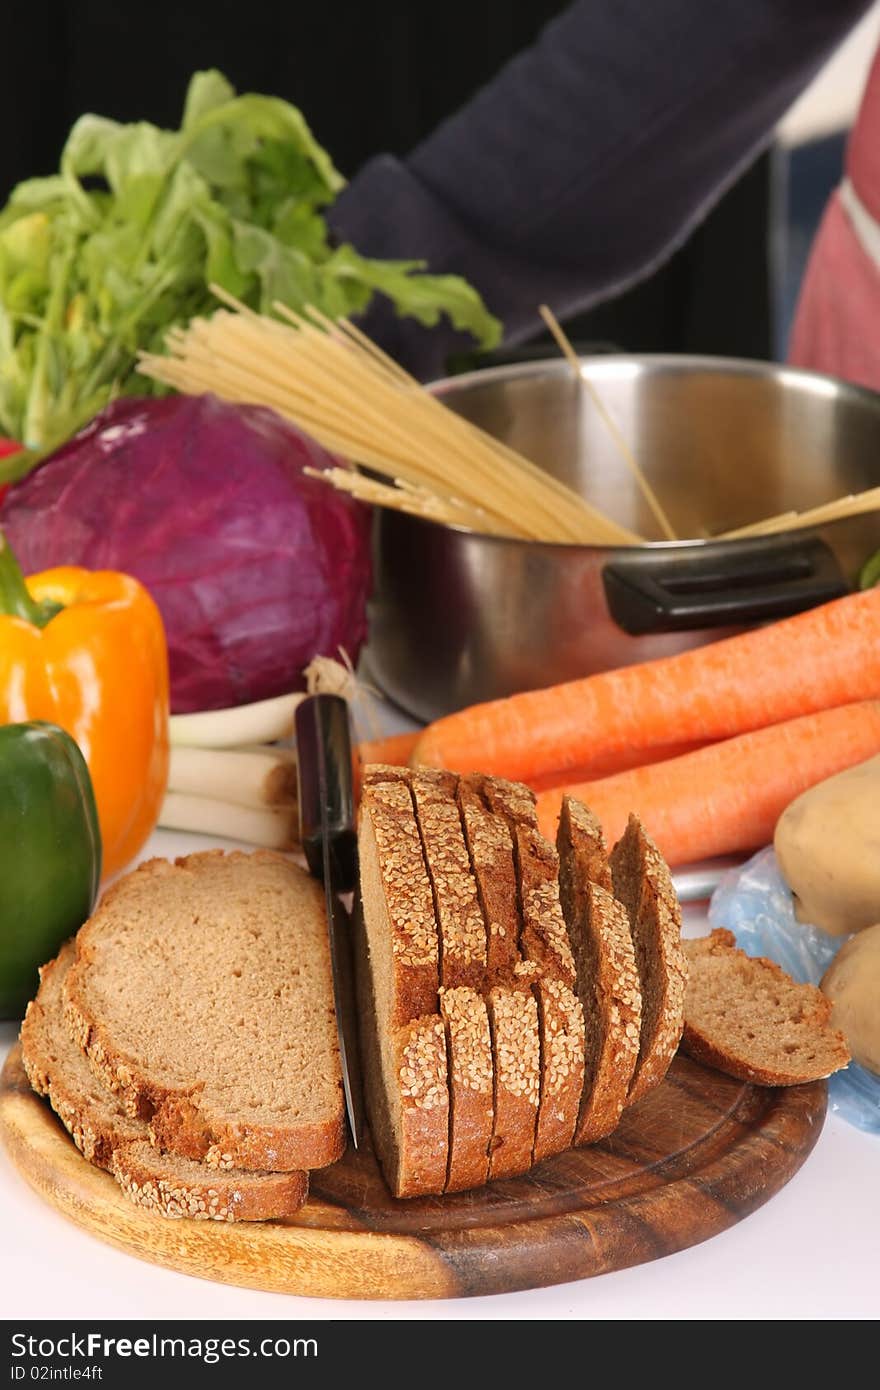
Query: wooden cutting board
[[692, 1158]]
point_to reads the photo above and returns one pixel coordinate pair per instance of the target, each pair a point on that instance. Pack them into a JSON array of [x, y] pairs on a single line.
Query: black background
[[369, 77]]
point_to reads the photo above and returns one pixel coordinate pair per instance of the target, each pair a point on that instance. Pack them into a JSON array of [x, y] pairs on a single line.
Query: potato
[[852, 983], [828, 846]]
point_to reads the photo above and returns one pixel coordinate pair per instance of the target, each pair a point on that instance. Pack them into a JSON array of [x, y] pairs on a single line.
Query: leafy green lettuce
[[99, 260]]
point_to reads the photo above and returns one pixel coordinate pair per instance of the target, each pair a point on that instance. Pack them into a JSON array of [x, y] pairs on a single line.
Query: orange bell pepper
[[86, 649]]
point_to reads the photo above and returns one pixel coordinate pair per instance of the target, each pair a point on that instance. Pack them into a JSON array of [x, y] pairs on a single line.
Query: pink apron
[[837, 324]]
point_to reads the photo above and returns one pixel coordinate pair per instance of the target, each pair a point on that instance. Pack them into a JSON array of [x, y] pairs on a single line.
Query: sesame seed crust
[[457, 908], [153, 1181], [471, 1063], [422, 1072], [513, 800], [407, 890], [561, 1020], [544, 960], [394, 877], [423, 1137], [513, 1016], [471, 1076]]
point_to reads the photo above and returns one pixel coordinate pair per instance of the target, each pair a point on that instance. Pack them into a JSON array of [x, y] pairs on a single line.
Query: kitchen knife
[[326, 812]]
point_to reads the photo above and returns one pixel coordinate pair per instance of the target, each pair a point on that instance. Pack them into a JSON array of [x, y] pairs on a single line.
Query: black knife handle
[[326, 787]]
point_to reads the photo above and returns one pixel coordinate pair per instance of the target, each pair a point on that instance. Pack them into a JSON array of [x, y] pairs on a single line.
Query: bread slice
[[403, 1036], [113, 1140], [745, 1016], [512, 1008], [405, 1081], [398, 898], [177, 1187], [543, 934], [416, 1084], [456, 905], [202, 996], [608, 980], [516, 1050], [561, 1030], [490, 849], [585, 860], [544, 943], [642, 883], [471, 1077]]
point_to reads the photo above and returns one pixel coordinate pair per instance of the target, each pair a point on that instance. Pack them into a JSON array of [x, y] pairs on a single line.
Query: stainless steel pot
[[458, 617]]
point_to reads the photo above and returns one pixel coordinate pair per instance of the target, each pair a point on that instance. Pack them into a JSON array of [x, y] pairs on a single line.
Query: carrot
[[728, 796], [396, 750], [393, 750], [825, 657], [612, 763]]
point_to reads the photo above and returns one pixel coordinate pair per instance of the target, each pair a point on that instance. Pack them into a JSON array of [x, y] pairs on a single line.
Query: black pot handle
[[723, 585]]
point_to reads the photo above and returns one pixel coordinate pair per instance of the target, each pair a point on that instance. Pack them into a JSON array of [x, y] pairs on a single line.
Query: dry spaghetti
[[338, 386], [855, 504]]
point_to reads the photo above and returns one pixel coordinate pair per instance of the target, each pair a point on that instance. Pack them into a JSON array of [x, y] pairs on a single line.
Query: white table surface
[[813, 1251]]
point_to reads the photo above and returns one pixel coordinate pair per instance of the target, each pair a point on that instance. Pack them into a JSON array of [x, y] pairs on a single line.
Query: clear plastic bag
[[754, 903]]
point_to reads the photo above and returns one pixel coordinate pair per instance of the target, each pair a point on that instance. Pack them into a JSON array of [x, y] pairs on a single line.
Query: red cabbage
[[256, 568]]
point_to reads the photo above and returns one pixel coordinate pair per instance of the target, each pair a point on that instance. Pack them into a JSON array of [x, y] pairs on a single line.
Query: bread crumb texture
[[112, 1139], [746, 1016], [202, 994]]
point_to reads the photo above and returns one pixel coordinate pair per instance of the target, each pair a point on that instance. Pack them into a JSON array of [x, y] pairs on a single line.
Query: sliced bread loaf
[[202, 996], [608, 981], [112, 1139], [745, 1016], [642, 883]]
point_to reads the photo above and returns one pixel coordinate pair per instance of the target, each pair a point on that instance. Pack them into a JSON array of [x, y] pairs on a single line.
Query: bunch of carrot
[[708, 747]]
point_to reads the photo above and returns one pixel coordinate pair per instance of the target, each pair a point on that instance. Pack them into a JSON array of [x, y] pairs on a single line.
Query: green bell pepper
[[50, 853]]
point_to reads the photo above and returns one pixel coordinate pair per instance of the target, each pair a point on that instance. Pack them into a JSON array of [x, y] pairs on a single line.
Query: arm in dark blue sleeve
[[589, 158]]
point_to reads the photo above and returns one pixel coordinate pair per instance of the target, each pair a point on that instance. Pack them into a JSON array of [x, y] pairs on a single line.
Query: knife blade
[[329, 841]]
